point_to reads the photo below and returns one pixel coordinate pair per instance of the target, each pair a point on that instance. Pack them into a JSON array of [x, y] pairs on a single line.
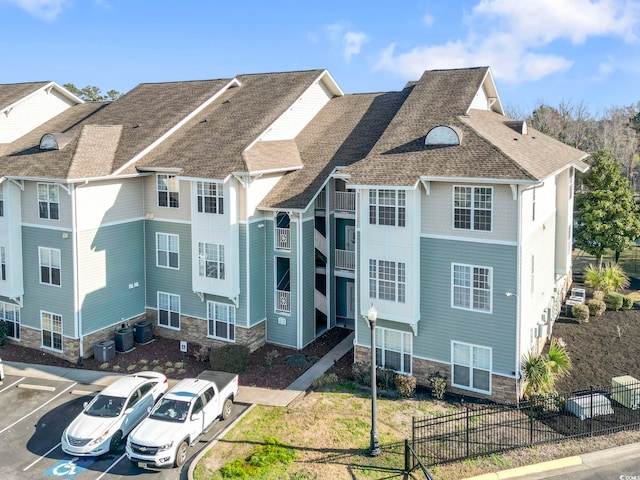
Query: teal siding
[[168, 280], [440, 323], [241, 311], [341, 296], [308, 285], [37, 296], [124, 257], [258, 279], [277, 333]]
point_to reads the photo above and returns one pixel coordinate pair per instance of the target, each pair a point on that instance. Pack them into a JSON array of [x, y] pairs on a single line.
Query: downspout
[[299, 289], [518, 296], [76, 291]]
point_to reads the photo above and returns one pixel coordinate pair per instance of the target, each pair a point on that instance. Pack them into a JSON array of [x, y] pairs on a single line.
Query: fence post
[[407, 467], [591, 410], [530, 425], [467, 432]]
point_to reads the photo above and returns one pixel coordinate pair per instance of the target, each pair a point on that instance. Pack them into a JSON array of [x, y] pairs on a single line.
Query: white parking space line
[[44, 388], [40, 458], [111, 466], [41, 406], [9, 386]]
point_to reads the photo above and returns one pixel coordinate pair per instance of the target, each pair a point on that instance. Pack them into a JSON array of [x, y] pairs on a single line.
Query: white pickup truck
[[179, 417]]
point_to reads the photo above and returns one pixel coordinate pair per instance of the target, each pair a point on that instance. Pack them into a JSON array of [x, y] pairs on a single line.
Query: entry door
[[351, 300], [350, 238]]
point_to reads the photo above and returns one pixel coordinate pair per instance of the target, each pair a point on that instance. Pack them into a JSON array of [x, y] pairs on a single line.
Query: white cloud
[[427, 19], [349, 41], [514, 37], [45, 9], [604, 70]]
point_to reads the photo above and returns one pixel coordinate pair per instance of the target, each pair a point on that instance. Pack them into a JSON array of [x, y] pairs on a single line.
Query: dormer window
[[443, 136], [55, 141]]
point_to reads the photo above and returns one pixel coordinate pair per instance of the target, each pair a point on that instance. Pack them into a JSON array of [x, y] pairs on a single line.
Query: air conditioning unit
[[626, 391]]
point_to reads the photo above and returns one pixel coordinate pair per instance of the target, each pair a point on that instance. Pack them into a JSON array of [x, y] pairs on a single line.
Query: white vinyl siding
[[471, 287], [221, 321], [471, 367], [169, 310]]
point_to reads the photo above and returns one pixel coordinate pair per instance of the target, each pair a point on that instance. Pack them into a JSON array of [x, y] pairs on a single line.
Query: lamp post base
[[374, 448]]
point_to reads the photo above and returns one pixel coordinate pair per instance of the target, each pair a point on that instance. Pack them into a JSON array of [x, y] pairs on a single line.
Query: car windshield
[[105, 406], [170, 410]]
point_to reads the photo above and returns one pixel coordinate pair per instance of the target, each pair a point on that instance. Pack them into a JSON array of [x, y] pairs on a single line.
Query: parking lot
[[35, 411]]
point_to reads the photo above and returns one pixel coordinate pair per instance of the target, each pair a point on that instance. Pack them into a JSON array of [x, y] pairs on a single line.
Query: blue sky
[[538, 50]]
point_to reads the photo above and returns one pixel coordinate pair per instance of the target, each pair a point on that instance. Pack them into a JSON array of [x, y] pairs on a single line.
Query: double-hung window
[[472, 208], [211, 260], [3, 264], [49, 265], [49, 201], [221, 321], [169, 310], [393, 350], [387, 207], [471, 287], [51, 325], [168, 191], [471, 365], [10, 315], [387, 280], [210, 197], [167, 249]]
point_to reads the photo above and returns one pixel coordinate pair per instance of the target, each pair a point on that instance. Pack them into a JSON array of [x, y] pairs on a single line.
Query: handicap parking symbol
[[69, 468]]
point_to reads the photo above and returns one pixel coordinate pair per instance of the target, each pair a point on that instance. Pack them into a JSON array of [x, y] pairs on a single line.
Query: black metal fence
[[478, 430]]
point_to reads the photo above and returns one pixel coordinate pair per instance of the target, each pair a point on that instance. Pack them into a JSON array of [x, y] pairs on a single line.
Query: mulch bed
[[271, 366]]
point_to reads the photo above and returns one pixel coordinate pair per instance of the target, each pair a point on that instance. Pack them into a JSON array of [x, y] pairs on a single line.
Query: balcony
[[321, 201], [283, 238], [346, 260], [283, 301], [346, 201]]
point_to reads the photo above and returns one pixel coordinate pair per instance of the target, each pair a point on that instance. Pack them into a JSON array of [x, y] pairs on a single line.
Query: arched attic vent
[[55, 141], [442, 136], [519, 126]]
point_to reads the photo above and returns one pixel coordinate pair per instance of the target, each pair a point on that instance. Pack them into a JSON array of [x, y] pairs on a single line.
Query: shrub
[[596, 307], [613, 301], [438, 385], [3, 333], [324, 381], [386, 378], [406, 385], [362, 373], [580, 313], [201, 354], [598, 295], [627, 302], [233, 358], [270, 356], [131, 368]]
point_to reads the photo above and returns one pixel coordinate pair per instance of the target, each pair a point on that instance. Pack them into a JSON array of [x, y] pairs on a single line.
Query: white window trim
[[202, 260], [158, 234], [219, 196], [169, 326], [396, 282], [453, 208], [16, 320], [471, 367], [51, 332], [57, 202], [471, 309], [40, 265], [396, 206], [211, 306], [380, 333], [168, 177]]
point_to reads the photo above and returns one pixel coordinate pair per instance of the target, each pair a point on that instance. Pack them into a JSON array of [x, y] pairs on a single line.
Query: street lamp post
[[374, 447]]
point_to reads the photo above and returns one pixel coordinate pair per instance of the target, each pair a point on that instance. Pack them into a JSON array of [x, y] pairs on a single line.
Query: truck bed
[[221, 379]]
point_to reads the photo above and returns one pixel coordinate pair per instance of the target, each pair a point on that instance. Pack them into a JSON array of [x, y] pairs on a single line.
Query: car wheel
[[226, 408], [116, 440], [181, 454]]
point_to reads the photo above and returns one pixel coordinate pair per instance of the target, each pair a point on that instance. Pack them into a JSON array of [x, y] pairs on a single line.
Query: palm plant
[[610, 278], [541, 370], [558, 359]]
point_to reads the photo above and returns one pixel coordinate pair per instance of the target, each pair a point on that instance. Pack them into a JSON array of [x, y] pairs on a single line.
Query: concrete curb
[[531, 469]]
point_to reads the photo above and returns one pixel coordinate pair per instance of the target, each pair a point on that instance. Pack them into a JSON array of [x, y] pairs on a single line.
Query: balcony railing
[[321, 200], [283, 238], [320, 242], [346, 201], [346, 259], [283, 301]]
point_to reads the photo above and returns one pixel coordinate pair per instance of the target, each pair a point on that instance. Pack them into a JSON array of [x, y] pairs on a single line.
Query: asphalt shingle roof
[[10, 93]]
